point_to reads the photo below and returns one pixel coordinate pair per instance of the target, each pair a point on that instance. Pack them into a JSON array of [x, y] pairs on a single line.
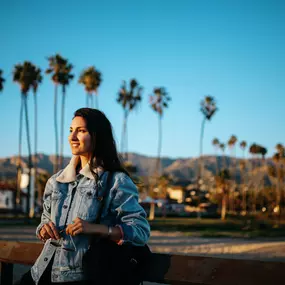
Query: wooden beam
[[19, 252], [177, 269]]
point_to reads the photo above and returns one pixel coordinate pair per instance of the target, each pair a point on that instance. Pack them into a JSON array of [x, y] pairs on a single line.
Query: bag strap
[[103, 198]]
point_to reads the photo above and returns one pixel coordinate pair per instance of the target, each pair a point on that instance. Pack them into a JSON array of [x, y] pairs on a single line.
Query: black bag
[[107, 263]]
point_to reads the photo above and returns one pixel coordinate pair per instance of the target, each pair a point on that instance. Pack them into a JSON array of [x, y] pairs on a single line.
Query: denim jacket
[[68, 196]]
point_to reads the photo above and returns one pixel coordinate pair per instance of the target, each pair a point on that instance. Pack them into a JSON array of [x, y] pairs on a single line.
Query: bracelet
[[109, 231]]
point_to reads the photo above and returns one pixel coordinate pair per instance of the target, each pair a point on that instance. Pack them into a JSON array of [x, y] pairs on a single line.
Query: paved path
[[178, 243]]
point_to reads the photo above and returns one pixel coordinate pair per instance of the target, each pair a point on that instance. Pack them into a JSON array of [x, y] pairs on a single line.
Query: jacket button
[[45, 259], [64, 206]]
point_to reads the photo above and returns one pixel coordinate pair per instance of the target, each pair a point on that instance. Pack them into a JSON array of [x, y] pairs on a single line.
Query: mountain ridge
[[178, 169]]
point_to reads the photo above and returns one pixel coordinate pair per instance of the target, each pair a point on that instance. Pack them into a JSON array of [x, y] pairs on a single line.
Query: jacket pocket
[[56, 195], [88, 206]]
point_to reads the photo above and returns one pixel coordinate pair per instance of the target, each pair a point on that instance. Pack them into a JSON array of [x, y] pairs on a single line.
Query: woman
[[71, 201]]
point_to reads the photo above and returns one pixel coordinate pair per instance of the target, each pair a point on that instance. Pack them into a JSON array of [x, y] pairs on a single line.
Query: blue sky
[[232, 50]]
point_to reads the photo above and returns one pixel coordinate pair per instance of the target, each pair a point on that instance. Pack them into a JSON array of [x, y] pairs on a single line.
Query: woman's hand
[[80, 226], [47, 231]]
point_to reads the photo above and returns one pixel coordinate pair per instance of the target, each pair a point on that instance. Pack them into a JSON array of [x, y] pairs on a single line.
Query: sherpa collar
[[69, 172]]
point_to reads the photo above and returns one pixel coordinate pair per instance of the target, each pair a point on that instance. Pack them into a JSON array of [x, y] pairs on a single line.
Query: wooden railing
[[165, 268]]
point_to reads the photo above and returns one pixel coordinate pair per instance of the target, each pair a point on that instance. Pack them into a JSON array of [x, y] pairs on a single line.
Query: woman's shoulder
[[124, 182], [52, 179], [121, 177]]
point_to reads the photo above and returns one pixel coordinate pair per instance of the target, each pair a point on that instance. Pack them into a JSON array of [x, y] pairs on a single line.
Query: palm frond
[[130, 97], [159, 100]]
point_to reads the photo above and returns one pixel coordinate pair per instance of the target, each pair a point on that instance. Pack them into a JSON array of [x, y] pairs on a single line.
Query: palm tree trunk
[[87, 100], [126, 141], [19, 172], [224, 206], [217, 162], [235, 169], [96, 100], [158, 161], [36, 147], [124, 134], [278, 191], [224, 161], [30, 207], [62, 126], [91, 101], [201, 166], [55, 166]]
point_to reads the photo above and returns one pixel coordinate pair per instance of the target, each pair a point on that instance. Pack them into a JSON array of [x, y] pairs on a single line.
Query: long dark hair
[[104, 152]]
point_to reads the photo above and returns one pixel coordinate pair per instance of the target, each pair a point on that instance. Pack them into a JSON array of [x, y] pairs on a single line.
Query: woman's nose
[[73, 136]]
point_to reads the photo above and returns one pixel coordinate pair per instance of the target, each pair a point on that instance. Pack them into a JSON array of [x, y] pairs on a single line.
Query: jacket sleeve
[[131, 217], [46, 215]]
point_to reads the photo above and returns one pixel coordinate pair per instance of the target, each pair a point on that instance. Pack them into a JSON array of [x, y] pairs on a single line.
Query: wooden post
[[6, 273]]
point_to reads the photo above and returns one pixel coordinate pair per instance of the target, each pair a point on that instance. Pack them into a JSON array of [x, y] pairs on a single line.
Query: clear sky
[[233, 50]]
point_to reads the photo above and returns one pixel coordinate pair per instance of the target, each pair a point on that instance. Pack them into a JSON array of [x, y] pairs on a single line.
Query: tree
[[2, 80], [279, 158], [23, 75], [232, 143], [91, 79], [222, 148], [216, 144], [208, 109], [256, 150], [60, 70], [159, 100], [129, 99], [37, 79], [223, 182], [243, 146]]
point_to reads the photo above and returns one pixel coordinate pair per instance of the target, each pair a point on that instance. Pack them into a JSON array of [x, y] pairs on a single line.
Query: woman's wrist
[[110, 232]]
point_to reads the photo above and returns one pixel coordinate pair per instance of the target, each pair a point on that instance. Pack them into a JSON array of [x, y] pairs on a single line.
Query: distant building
[[8, 198], [178, 190]]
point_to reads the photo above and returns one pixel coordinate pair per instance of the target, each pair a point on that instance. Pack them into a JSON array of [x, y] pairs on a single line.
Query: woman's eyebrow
[[80, 127]]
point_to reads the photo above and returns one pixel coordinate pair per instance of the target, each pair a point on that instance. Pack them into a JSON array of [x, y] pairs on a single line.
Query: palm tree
[[222, 147], [262, 151], [2, 80], [208, 109], [232, 143], [65, 79], [223, 182], [60, 69], [23, 75], [129, 99], [37, 79], [91, 79], [278, 158], [243, 146], [280, 148], [159, 101], [216, 144], [255, 150]]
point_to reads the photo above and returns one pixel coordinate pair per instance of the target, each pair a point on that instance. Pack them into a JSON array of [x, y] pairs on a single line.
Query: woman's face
[[79, 137]]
